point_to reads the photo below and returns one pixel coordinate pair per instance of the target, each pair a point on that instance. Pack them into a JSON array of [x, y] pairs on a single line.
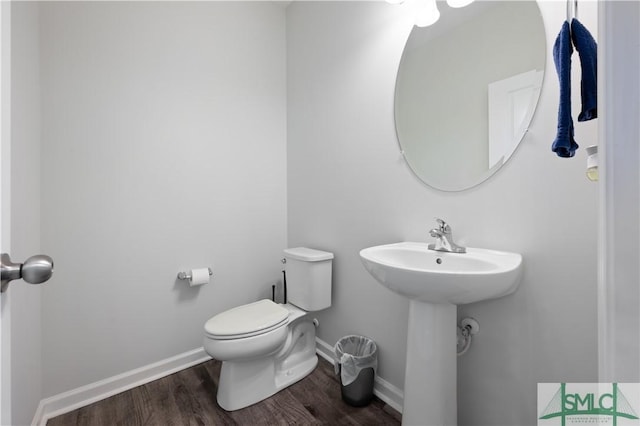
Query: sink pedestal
[[431, 372]]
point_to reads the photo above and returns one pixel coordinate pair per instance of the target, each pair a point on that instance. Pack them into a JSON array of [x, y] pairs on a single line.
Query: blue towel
[[588, 51], [564, 145]]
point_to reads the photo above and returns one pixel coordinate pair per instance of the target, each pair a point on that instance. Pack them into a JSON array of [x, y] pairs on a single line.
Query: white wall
[[25, 299], [348, 188], [164, 147]]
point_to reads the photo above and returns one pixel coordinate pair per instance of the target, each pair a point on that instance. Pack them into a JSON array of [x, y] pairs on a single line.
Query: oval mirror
[[466, 90]]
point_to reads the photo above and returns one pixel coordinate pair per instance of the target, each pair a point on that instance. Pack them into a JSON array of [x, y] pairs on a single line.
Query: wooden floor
[[189, 398]]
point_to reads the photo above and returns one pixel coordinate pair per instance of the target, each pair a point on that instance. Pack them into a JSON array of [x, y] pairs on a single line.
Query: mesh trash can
[[356, 362]]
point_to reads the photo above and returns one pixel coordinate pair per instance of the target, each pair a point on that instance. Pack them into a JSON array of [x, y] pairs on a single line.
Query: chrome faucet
[[444, 239]]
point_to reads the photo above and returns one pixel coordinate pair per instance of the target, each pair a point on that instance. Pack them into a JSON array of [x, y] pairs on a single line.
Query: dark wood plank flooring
[[189, 398]]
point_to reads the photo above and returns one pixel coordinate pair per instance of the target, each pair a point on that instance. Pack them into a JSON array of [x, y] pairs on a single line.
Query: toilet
[[265, 346]]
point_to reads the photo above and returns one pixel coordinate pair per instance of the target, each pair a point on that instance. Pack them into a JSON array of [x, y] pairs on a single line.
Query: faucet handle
[[444, 226]]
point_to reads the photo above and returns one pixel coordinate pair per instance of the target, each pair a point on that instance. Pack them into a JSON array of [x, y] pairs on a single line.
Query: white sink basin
[[413, 271]]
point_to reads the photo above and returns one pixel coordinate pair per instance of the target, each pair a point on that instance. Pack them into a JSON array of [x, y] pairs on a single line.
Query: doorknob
[[35, 270]]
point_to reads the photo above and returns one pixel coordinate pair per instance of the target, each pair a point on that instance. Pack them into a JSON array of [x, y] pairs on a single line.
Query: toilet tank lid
[[307, 254]]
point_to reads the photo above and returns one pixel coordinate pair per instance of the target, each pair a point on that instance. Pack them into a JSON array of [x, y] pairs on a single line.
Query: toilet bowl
[[265, 346]]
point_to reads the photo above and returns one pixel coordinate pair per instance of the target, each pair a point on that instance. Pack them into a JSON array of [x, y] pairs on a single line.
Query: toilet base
[[246, 382]]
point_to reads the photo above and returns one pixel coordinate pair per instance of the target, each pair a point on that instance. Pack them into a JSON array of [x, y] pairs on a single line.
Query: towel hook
[[571, 15]]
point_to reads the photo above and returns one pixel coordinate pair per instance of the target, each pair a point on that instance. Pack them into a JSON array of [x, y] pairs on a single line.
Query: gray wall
[[348, 188], [164, 149]]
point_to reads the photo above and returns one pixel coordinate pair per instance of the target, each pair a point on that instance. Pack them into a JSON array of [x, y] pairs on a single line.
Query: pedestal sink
[[435, 282]]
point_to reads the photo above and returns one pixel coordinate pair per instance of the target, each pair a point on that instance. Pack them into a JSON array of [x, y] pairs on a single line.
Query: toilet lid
[[247, 319]]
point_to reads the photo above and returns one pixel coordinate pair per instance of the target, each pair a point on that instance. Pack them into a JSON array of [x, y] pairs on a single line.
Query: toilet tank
[[308, 274]]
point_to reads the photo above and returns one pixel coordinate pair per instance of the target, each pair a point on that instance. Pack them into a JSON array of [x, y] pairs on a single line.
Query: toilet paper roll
[[199, 276]]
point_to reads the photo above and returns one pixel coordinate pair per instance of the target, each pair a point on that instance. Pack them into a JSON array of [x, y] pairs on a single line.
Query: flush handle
[[35, 270]]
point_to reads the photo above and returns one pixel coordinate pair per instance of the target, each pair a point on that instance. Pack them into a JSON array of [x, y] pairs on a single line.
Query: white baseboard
[[88, 394], [384, 390]]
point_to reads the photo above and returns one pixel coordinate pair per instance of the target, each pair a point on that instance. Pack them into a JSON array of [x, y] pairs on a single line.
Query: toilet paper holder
[[187, 275]]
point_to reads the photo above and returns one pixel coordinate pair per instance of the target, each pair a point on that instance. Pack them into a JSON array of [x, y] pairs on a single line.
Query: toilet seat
[[247, 320]]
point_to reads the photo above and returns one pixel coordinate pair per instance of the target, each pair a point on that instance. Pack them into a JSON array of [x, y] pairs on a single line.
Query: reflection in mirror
[[466, 90]]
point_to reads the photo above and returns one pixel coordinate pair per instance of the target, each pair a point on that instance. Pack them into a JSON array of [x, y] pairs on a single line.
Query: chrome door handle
[[35, 270]]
